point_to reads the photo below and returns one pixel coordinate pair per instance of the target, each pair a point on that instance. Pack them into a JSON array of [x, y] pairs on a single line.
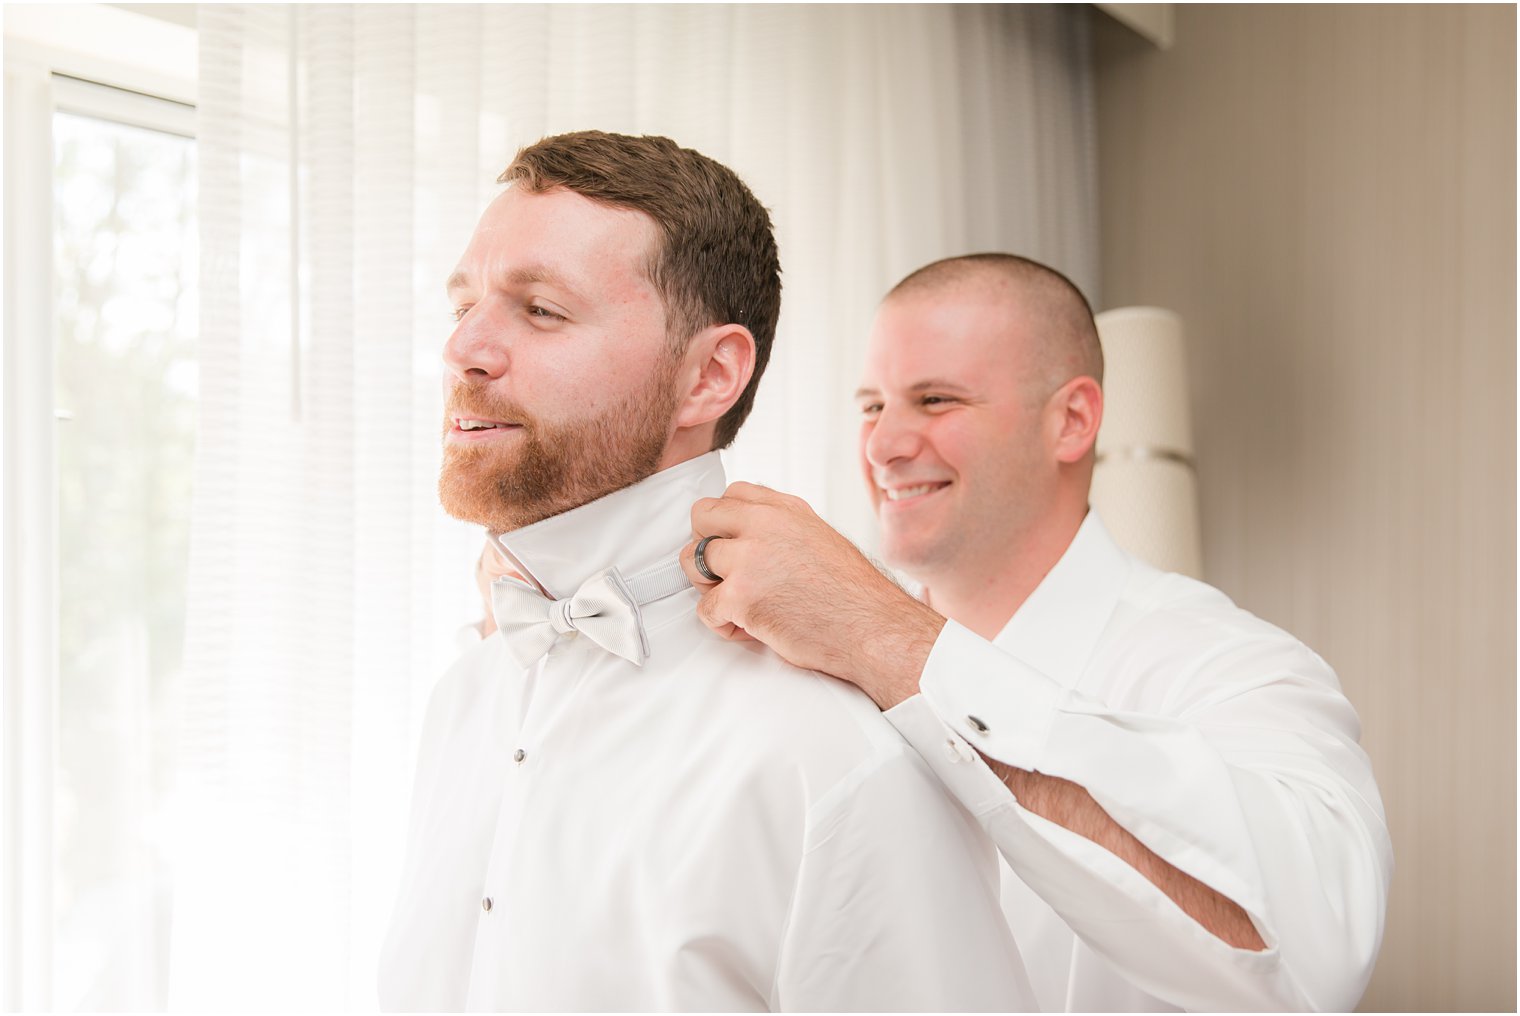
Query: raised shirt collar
[[630, 529], [1058, 626]]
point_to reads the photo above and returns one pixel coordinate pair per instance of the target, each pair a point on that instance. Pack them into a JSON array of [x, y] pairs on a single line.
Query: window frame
[[118, 65]]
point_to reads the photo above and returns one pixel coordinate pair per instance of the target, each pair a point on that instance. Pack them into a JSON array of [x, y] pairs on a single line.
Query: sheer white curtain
[[345, 153]]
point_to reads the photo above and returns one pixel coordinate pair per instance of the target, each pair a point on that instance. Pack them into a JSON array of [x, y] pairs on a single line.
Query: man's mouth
[[475, 429], [908, 493], [467, 424]]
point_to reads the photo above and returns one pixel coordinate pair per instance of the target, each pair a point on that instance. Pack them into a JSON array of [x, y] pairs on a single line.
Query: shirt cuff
[[957, 765], [1000, 705]]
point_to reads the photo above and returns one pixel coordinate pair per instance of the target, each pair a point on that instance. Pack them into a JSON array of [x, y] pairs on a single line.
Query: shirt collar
[[1057, 627], [629, 529]]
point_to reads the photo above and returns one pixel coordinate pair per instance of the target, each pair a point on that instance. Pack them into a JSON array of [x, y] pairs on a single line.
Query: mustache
[[467, 400]]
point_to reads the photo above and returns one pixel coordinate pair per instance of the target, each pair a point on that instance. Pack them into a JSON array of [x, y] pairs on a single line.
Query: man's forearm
[[1072, 807], [887, 667]]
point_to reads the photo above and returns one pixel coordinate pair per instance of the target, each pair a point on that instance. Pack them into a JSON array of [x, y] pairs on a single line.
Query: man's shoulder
[[1147, 601], [473, 676], [820, 736], [1157, 601], [765, 698], [1183, 629]]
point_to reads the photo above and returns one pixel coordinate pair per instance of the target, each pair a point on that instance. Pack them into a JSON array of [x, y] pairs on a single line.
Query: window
[[125, 382], [100, 399]]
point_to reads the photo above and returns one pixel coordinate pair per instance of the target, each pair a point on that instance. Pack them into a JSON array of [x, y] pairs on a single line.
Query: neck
[[632, 528], [984, 594], [687, 443]]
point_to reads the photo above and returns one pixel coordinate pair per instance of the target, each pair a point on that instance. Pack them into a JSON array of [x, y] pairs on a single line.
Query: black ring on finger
[[700, 557]]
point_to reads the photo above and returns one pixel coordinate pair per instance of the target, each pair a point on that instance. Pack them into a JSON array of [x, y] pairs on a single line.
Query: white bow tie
[[605, 609]]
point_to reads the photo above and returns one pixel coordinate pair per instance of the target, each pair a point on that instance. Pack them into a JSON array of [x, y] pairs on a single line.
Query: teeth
[[907, 492], [476, 425]]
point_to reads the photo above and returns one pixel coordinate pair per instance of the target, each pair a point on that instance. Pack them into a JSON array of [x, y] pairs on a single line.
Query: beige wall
[[1327, 195]]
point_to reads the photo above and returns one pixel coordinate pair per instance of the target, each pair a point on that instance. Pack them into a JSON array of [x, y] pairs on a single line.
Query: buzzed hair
[[1066, 333]]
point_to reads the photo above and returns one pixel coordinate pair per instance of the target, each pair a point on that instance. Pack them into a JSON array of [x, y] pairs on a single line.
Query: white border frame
[[27, 510]]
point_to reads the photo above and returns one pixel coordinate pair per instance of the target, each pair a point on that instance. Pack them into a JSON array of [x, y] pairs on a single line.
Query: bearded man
[[615, 809]]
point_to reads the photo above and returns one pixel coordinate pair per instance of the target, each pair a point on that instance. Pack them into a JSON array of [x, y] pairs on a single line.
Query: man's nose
[[895, 435], [476, 351]]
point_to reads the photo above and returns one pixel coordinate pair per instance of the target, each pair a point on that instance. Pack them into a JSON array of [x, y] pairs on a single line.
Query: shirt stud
[[981, 728], [485, 904], [518, 756]]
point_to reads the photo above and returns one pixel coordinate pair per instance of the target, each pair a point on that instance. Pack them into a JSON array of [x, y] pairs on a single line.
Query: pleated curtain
[[345, 154]]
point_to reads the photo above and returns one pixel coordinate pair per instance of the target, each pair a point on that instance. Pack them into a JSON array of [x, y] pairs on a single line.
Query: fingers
[[712, 611], [747, 513], [710, 513], [730, 632], [737, 496], [753, 492], [689, 566], [734, 633], [717, 551], [719, 516]]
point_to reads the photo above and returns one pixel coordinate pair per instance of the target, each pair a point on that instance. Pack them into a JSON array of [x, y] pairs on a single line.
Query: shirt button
[[958, 752], [981, 728], [517, 756], [485, 904]]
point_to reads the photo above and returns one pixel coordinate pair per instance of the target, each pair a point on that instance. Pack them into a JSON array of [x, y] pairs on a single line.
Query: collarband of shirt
[[630, 529], [1053, 634], [1057, 628]]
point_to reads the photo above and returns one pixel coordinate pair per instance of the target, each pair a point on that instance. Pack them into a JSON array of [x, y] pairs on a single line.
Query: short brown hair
[[1070, 336], [717, 263]]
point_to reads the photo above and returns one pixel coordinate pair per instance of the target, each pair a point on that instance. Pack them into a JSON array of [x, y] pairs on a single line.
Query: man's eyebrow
[[931, 384], [526, 275], [938, 384]]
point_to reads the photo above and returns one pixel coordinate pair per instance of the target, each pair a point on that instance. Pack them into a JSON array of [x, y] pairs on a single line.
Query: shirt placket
[[555, 682]]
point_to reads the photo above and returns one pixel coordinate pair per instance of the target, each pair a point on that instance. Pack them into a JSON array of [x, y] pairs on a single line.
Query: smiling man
[[614, 808], [1175, 785]]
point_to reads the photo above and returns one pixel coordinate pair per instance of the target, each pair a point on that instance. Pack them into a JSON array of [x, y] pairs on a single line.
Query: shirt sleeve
[[1242, 770], [896, 903]]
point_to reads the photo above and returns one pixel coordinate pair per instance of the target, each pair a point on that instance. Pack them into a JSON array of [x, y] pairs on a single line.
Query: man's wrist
[[887, 662]]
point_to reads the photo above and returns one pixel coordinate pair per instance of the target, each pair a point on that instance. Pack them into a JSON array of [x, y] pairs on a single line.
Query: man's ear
[[718, 364], [1074, 413]]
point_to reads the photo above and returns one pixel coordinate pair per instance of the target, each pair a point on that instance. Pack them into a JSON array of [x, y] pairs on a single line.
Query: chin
[[917, 559], [463, 507], [899, 554], [462, 491]]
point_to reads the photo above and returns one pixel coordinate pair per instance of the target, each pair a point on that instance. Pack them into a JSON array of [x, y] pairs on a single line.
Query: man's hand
[[792, 582]]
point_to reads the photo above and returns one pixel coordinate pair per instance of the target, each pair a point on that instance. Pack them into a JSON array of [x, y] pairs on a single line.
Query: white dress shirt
[[1221, 742], [714, 830]]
